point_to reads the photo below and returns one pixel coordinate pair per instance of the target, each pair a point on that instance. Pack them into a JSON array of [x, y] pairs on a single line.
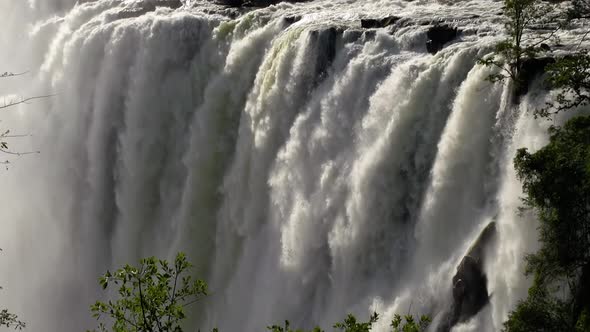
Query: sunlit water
[[307, 172]]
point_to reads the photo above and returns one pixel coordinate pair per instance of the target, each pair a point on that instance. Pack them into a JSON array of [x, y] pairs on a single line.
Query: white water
[[298, 196]]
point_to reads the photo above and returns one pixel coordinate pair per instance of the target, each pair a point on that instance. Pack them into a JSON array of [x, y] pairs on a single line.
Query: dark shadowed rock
[[371, 23], [529, 70], [292, 19], [325, 41], [438, 36], [470, 292], [370, 35], [231, 3], [469, 289]]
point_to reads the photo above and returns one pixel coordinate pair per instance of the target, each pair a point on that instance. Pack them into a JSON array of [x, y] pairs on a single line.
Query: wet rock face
[[231, 3], [325, 41], [470, 292], [371, 23], [469, 284], [529, 70], [438, 36], [292, 19]]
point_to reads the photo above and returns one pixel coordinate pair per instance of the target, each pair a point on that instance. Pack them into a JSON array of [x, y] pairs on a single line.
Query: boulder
[[469, 284], [469, 289], [371, 23], [438, 36]]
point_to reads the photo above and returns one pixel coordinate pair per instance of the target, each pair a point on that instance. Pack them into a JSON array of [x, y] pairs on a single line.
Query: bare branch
[[23, 101], [18, 153], [582, 39], [544, 39], [9, 74]]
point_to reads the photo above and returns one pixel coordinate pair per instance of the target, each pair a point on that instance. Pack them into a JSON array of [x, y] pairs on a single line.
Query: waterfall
[[308, 167]]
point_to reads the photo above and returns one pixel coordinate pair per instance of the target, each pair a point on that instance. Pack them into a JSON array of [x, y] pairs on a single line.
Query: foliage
[[509, 54], [556, 179], [410, 324], [152, 297], [556, 182], [539, 312], [571, 75], [351, 324], [10, 320], [287, 328]]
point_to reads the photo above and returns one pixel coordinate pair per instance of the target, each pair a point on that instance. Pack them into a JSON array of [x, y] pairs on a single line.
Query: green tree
[[151, 297], [556, 183], [350, 324], [556, 179], [410, 324], [541, 311], [571, 76], [287, 328], [509, 54]]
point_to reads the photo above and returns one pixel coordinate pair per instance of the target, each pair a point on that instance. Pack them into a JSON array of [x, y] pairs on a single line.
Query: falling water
[[308, 167]]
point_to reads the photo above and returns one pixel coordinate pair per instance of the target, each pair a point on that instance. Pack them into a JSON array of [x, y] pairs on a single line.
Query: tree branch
[[148, 327], [173, 289], [9, 74], [23, 101]]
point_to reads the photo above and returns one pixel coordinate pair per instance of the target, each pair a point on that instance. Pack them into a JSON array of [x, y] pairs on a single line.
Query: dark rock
[[370, 35], [542, 27], [292, 19], [438, 36], [371, 23], [469, 288], [581, 298], [470, 293], [231, 3], [231, 12], [528, 71], [326, 42], [545, 47]]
